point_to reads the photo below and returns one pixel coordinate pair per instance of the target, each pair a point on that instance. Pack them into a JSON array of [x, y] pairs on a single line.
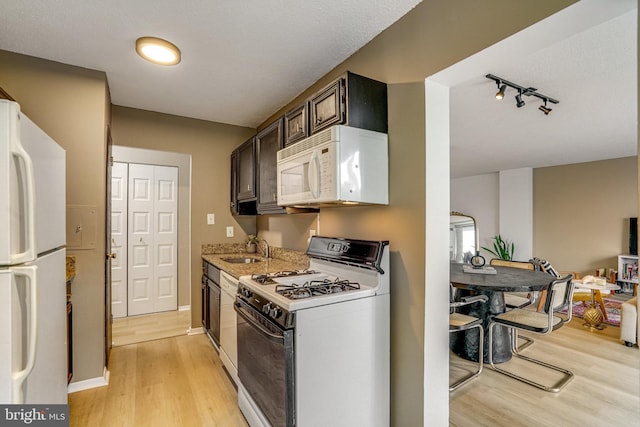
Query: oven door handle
[[257, 325]]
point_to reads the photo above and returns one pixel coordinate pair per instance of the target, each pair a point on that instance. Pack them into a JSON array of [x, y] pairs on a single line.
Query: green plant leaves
[[501, 248]]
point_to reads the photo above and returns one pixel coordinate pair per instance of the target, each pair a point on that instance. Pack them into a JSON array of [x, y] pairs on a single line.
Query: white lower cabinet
[[228, 326]]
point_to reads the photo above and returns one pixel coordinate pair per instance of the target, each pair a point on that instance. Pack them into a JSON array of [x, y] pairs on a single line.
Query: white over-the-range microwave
[[341, 165]]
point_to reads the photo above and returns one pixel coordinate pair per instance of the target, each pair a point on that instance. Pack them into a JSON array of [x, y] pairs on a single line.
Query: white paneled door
[[151, 269], [119, 202]]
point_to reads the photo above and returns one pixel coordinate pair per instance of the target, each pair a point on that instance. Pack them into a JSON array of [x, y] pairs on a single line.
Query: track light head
[[546, 110], [501, 89], [519, 101]]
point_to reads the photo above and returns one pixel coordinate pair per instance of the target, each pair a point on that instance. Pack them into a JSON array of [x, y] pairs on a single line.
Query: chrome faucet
[[265, 251]]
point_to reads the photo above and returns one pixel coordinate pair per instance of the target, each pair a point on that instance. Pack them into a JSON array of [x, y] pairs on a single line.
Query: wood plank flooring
[[136, 329], [176, 381], [179, 381], [604, 392]]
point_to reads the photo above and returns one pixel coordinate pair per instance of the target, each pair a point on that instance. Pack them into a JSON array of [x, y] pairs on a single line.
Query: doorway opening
[[157, 240]]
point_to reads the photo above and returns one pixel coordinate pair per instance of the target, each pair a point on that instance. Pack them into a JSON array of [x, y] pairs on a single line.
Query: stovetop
[[339, 270]]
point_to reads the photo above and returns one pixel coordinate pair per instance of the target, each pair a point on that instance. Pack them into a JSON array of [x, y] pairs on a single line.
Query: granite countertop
[[71, 268], [281, 260]]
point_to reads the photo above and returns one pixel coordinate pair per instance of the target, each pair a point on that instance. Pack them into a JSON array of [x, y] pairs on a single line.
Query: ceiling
[[592, 71], [244, 60], [241, 60]]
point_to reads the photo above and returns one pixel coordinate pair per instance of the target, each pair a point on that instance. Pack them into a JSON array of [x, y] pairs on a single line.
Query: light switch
[[211, 219], [230, 231]]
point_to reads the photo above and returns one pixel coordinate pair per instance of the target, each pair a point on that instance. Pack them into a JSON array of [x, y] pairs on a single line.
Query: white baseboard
[[184, 308], [90, 383], [195, 331]]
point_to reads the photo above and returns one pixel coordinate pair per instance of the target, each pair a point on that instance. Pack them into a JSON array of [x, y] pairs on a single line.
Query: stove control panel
[[265, 307]]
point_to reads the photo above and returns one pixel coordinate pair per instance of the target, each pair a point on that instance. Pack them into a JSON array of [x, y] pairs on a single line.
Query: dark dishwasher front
[[265, 364], [211, 281]]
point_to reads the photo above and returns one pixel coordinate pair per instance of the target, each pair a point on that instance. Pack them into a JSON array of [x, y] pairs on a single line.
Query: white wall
[[516, 210], [478, 196]]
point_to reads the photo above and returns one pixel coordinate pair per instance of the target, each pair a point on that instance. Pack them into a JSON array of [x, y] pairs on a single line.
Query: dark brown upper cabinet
[[351, 100], [268, 142], [246, 157], [296, 125]]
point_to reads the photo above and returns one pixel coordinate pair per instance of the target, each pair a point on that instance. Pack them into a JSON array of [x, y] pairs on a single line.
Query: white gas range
[[320, 335]]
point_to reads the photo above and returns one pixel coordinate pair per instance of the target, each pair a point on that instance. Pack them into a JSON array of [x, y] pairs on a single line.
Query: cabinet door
[[233, 196], [328, 107], [296, 125], [246, 171], [268, 142]]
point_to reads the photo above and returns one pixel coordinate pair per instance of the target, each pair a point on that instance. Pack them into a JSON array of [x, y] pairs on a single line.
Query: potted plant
[[502, 249], [251, 242]]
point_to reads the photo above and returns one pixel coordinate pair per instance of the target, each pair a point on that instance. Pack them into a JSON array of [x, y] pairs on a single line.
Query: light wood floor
[[136, 329], [180, 381], [604, 392], [176, 381]]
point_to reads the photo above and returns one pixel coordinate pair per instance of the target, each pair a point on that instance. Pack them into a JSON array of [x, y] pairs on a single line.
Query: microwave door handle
[[313, 175]]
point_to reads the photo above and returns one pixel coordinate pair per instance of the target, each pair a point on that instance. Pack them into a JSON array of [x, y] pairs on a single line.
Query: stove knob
[[275, 312], [266, 308], [246, 292]]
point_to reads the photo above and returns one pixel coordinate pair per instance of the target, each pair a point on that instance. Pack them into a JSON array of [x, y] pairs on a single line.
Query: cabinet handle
[[274, 197]]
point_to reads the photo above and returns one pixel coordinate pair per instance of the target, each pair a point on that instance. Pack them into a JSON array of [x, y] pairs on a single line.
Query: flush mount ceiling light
[[526, 91], [158, 51]]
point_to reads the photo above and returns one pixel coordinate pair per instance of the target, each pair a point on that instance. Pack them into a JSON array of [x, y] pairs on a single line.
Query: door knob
[[111, 255]]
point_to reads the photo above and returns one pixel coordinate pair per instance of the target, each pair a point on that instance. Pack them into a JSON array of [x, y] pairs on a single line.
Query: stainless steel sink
[[241, 260]]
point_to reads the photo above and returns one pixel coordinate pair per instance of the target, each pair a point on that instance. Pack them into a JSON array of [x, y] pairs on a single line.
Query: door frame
[[183, 163]]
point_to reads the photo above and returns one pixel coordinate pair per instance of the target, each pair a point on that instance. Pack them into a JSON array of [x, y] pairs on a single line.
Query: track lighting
[[526, 91]]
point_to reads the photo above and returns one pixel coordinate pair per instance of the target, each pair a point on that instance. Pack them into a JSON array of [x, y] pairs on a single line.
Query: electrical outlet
[[230, 231], [211, 219]]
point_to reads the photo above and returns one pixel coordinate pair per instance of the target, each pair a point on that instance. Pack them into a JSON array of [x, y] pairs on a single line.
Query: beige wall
[[71, 105], [435, 35], [210, 145], [581, 213]]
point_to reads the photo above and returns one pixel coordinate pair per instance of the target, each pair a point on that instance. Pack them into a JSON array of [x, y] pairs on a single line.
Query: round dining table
[[505, 279]]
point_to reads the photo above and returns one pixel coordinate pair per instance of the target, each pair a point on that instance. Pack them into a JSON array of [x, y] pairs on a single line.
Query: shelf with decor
[[627, 271]]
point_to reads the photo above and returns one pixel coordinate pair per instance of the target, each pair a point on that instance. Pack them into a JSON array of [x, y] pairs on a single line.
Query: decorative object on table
[[477, 261], [502, 249], [558, 298], [251, 241]]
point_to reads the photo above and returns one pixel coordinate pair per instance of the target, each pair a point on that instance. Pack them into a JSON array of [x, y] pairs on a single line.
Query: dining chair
[[559, 295], [517, 299], [462, 322]]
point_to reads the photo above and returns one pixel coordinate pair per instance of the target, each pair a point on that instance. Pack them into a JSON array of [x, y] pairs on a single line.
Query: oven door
[[265, 364]]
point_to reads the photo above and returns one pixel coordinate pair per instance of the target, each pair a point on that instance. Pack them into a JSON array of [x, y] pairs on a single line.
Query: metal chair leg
[[473, 375], [568, 375]]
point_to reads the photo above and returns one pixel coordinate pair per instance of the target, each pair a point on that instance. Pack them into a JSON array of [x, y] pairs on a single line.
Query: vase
[[251, 248]]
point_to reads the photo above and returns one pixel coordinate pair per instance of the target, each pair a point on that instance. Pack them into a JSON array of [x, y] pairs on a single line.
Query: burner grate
[[267, 279], [316, 288]]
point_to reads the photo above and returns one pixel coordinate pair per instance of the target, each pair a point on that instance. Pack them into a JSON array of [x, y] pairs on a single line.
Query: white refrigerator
[[33, 315]]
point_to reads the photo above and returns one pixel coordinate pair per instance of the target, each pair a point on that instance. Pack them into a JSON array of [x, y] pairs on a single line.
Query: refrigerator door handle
[[29, 272], [29, 191]]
